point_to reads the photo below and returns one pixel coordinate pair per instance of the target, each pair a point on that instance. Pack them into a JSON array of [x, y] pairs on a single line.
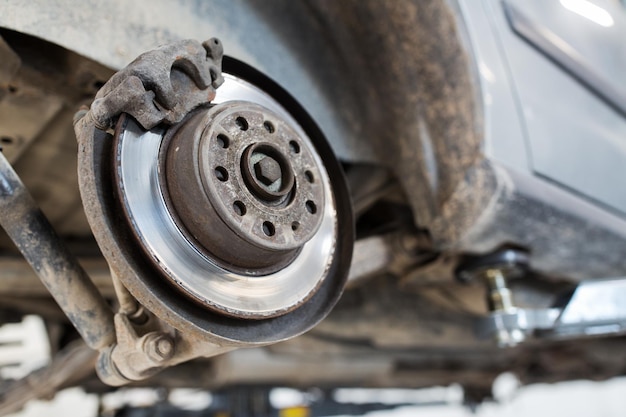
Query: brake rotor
[[234, 206], [222, 213]]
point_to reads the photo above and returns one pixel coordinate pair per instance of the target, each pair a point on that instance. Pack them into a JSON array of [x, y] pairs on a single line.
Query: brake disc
[[231, 205], [233, 223]]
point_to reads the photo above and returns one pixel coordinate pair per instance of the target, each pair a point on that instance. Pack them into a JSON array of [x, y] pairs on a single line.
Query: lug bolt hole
[[311, 207], [223, 141], [295, 226], [269, 229], [239, 208], [294, 146], [242, 123], [309, 176], [221, 174], [269, 126]]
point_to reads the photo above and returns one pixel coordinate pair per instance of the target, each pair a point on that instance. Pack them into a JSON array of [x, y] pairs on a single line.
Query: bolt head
[[165, 347], [267, 170], [159, 348]]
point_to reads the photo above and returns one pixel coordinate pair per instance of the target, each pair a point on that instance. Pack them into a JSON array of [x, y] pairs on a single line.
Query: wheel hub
[[240, 190]]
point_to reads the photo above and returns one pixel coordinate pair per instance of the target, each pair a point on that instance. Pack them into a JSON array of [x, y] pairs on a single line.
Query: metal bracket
[[494, 269], [144, 349], [596, 308], [140, 351]]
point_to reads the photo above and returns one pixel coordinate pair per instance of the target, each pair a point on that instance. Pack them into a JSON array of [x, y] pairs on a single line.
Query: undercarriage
[[323, 213]]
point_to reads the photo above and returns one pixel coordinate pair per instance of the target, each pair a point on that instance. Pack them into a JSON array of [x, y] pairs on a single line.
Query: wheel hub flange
[[242, 184]]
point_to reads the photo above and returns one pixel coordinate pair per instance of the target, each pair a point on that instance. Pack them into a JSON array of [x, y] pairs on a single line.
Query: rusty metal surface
[[54, 264], [247, 226], [156, 86], [423, 42], [396, 254], [23, 112]]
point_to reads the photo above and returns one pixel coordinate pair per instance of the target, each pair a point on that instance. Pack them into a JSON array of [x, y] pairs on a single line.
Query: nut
[[158, 347]]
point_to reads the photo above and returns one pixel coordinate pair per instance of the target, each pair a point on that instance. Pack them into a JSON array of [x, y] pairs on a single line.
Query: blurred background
[[22, 349]]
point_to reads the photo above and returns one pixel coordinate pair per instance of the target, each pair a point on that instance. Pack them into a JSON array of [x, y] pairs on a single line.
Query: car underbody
[[329, 208]]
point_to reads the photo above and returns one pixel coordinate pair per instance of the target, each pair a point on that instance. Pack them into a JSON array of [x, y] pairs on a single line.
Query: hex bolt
[[159, 347], [267, 170]]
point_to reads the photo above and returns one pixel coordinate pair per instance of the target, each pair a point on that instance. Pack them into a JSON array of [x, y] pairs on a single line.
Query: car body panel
[[504, 139], [572, 108]]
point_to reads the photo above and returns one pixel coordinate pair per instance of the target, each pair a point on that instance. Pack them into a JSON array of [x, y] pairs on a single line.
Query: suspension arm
[[57, 268]]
